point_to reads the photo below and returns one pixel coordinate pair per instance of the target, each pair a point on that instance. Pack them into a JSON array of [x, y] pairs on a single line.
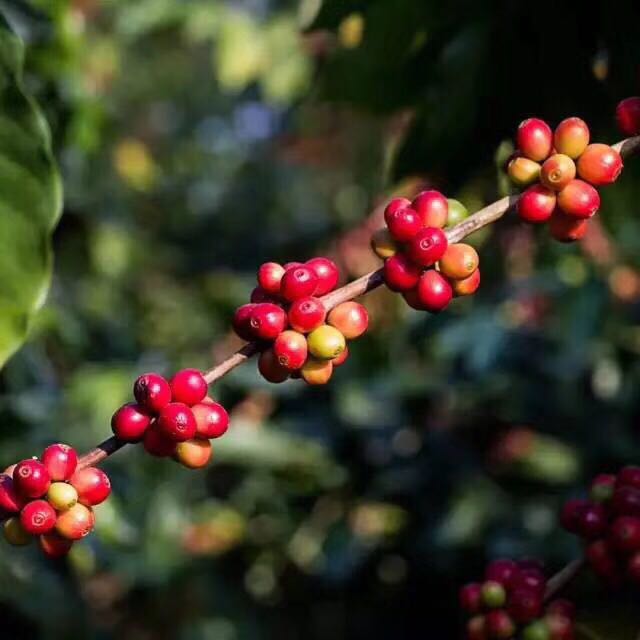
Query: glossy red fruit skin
[[628, 116], [628, 477], [158, 445], [267, 321], [530, 578], [92, 484], [434, 291], [242, 321], [38, 517], [624, 534], [76, 523], [152, 391], [176, 422], [471, 598], [592, 522], [467, 286], [395, 205], [31, 478], [427, 246], [502, 571], [327, 273], [500, 625], [535, 139], [130, 422], [411, 298], [10, 500], [306, 314], [626, 501], [536, 204], [525, 605], [55, 546], [60, 461], [603, 561], [403, 224], [269, 277], [566, 228], [579, 199], [350, 318], [571, 137], [298, 282], [290, 349], [270, 369], [400, 273], [600, 164], [188, 386], [341, 359], [212, 420], [432, 209], [571, 514]]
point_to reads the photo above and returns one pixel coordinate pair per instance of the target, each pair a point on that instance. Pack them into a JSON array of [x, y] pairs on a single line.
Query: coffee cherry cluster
[[419, 262], [286, 315], [560, 172], [609, 523], [172, 418], [509, 603], [51, 499], [628, 116]]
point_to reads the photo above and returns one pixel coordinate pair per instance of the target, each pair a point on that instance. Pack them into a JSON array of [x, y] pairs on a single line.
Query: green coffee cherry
[[494, 595], [457, 212], [326, 342], [536, 631]]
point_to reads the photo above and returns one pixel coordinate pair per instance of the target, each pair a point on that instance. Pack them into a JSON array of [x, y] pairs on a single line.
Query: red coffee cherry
[[626, 501], [523, 172], [471, 598], [76, 523], [270, 369], [412, 299], [38, 517], [152, 391], [258, 295], [395, 205], [176, 422], [92, 484], [269, 277], [624, 534], [403, 224], [579, 199], [459, 261], [400, 273], [557, 171], [350, 319], [525, 605], [158, 445], [628, 477], [60, 461], [14, 532], [267, 321], [571, 514], [432, 209], [571, 137], [427, 246], [298, 282], [327, 274], [306, 314], [31, 478], [592, 522], [242, 321], [477, 628], [434, 291], [194, 454], [10, 500], [499, 625], [536, 204], [600, 164], [317, 372], [130, 422], [567, 228], [502, 571], [530, 578], [468, 286], [55, 546], [189, 386], [212, 420], [341, 359], [603, 561], [290, 349], [534, 139], [628, 116]]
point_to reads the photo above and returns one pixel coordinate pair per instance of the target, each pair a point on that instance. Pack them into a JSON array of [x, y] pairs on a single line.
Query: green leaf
[[30, 200]]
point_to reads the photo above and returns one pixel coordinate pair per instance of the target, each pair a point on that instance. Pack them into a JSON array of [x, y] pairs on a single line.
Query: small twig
[[563, 578]]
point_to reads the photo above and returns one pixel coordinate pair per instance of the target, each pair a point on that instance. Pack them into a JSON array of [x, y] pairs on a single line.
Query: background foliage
[[199, 138]]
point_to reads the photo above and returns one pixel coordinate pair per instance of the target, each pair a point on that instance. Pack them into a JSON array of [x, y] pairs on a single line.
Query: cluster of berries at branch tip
[[419, 262], [172, 418], [298, 336], [609, 523], [560, 171], [510, 603], [51, 499]]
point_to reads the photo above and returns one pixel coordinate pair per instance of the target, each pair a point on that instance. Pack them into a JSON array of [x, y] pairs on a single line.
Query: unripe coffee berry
[[557, 171], [326, 342], [152, 391], [55, 546], [427, 246], [457, 212], [267, 321], [38, 517], [270, 369], [130, 422], [62, 496], [494, 594], [290, 348], [434, 291], [306, 314], [242, 321], [10, 500], [579, 199], [538, 630], [92, 484], [536, 204], [499, 625], [298, 282], [403, 224], [459, 261], [158, 445], [194, 454], [188, 386], [212, 420], [269, 277], [566, 228], [317, 372], [432, 209], [523, 171], [383, 244], [327, 274], [535, 139], [400, 273], [31, 478], [341, 359], [176, 422], [15, 534], [628, 116], [350, 319], [571, 137], [602, 487], [600, 164], [468, 286], [76, 523]]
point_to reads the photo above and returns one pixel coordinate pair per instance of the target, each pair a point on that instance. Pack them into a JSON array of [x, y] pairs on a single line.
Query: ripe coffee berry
[[525, 604], [317, 372], [158, 445], [535, 139], [624, 534], [557, 171], [468, 286], [298, 282], [427, 246], [188, 386], [194, 454], [270, 369], [10, 500], [54, 545], [92, 484], [600, 164], [269, 277], [432, 209], [383, 244], [499, 625], [536, 204], [327, 274], [350, 319], [628, 477], [60, 461], [176, 422], [628, 116], [38, 517], [566, 228], [396, 204], [258, 294], [31, 478], [523, 171], [579, 199], [152, 391], [400, 273], [326, 343], [571, 137], [502, 571], [403, 224], [212, 420], [62, 496], [411, 298], [306, 314], [457, 212], [267, 321], [459, 261], [15, 534], [471, 598], [75, 523], [130, 422], [290, 348], [242, 321], [626, 501], [434, 291]]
